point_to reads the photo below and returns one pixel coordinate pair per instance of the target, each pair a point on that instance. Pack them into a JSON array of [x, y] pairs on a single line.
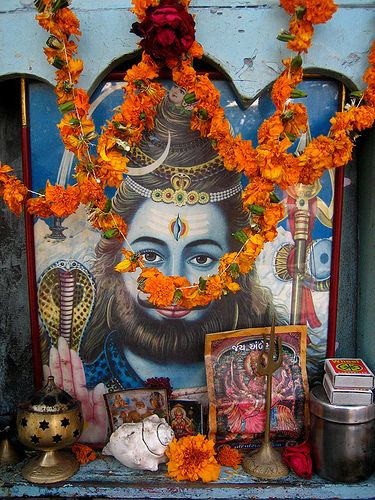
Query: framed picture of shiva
[[181, 206]]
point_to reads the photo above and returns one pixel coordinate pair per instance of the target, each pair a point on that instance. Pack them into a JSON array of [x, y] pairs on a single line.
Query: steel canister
[[342, 439]]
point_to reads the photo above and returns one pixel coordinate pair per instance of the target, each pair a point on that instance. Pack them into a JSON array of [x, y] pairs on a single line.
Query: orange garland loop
[[265, 166]]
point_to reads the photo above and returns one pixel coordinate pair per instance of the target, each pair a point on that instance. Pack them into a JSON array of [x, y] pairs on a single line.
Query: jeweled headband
[[179, 194]]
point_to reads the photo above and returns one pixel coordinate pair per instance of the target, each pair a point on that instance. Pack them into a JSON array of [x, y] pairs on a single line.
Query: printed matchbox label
[[349, 366], [351, 372]]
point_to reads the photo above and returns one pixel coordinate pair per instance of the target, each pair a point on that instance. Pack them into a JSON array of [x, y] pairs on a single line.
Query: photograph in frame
[[237, 393], [134, 405], [186, 418]]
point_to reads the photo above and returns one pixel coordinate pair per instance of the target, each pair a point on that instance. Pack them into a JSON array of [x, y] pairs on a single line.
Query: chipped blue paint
[[106, 477]]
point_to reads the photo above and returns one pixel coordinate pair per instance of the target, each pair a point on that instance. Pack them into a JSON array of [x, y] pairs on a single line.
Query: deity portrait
[[181, 214], [181, 207]]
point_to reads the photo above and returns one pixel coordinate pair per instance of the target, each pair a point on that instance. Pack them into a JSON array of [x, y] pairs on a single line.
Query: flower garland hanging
[[167, 30]]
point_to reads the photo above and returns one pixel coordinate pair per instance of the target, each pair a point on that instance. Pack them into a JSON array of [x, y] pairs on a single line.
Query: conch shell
[[141, 445]]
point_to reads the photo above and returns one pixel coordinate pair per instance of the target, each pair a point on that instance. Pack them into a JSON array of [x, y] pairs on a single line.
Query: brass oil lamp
[[50, 421]]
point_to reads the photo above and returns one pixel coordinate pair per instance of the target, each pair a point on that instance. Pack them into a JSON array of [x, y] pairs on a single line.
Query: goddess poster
[[98, 333]]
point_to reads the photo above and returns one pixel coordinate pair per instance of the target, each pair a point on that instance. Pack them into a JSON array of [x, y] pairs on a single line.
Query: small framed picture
[[186, 417], [134, 405]]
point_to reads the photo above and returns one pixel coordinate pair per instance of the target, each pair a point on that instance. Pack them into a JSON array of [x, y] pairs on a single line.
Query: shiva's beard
[[167, 340]]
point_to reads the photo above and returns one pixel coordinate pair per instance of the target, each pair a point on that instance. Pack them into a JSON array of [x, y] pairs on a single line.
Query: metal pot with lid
[[342, 439]]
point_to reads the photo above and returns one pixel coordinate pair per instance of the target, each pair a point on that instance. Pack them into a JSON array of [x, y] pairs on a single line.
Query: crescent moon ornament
[[134, 172]]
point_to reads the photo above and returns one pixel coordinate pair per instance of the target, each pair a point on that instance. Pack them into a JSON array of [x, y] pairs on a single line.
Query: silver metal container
[[342, 439]]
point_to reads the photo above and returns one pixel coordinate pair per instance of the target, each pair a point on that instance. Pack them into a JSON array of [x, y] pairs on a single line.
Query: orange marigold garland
[[270, 163], [192, 458]]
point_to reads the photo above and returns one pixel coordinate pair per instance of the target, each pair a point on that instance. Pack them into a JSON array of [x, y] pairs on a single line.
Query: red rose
[[298, 458], [167, 31]]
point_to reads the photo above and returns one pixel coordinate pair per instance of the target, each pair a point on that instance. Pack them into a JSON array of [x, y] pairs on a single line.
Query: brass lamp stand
[[266, 463]]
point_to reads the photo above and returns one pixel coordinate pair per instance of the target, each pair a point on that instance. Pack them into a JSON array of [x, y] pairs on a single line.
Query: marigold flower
[[281, 90], [318, 11], [192, 458], [184, 75], [107, 221], [271, 129], [4, 172], [81, 101], [91, 191], [272, 216], [71, 71], [161, 290], [303, 31], [342, 149], [62, 201], [228, 456], [144, 71], [67, 22], [290, 5], [214, 287], [38, 206], [83, 453], [294, 119], [14, 193], [196, 50], [140, 7], [257, 192]]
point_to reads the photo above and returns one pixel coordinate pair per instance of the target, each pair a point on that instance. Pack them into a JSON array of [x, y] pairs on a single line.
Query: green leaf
[[296, 62], [111, 233], [256, 209], [177, 296], [290, 136], [74, 122], [108, 205], [274, 198], [202, 283], [357, 94], [300, 12], [285, 36], [241, 236], [39, 5], [60, 4], [135, 256], [141, 283], [202, 113], [296, 94], [66, 107], [234, 270], [190, 98], [57, 62]]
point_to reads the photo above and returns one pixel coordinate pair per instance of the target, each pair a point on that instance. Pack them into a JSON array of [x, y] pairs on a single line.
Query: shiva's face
[[179, 241]]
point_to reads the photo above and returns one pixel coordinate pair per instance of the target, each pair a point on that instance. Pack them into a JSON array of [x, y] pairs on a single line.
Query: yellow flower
[[130, 263], [192, 458]]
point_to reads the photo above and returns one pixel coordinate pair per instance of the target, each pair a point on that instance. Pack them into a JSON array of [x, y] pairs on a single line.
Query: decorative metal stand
[[57, 229], [266, 463]]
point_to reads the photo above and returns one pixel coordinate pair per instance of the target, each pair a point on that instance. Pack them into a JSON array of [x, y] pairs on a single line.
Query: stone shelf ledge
[[107, 478]]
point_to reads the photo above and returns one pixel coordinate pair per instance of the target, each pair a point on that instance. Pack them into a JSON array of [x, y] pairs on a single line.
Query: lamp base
[[265, 463], [50, 467]]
